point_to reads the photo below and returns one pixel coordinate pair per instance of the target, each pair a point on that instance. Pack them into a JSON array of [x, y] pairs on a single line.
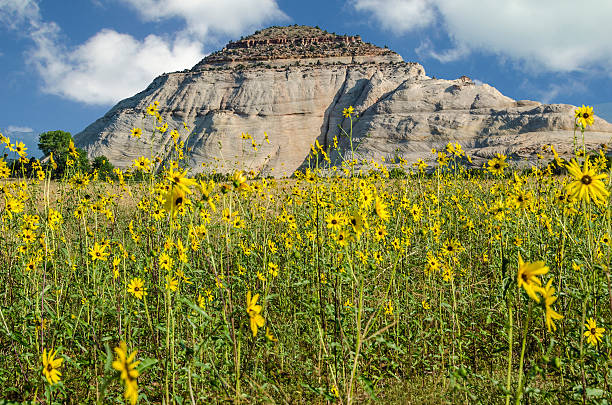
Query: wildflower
[[348, 112], [116, 262], [201, 301], [425, 304], [98, 252], [528, 277], [206, 189], [381, 232], [270, 336], [51, 366], [254, 312], [152, 109], [310, 176], [127, 367], [171, 283], [165, 261], [72, 149], [239, 181], [358, 223], [451, 247], [163, 128], [341, 238], [381, 209], [389, 308], [584, 116], [178, 180], [137, 288], [273, 269], [586, 183], [54, 218], [497, 164], [79, 181], [334, 221], [136, 132], [5, 172], [175, 199], [142, 163], [593, 333], [548, 294], [20, 148], [433, 263]]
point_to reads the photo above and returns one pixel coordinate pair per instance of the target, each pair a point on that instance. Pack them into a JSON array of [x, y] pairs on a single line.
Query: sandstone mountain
[[294, 82]]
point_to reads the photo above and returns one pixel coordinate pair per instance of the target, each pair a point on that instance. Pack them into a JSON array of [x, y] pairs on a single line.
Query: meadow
[[428, 283]]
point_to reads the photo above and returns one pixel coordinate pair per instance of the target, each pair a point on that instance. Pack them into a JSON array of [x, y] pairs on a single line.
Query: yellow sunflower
[[584, 116], [586, 184], [51, 366], [528, 277], [593, 333]]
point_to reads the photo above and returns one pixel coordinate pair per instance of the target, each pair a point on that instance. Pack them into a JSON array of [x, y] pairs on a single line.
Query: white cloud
[[204, 16], [110, 65], [12, 129], [398, 16], [547, 34], [426, 49], [17, 12]]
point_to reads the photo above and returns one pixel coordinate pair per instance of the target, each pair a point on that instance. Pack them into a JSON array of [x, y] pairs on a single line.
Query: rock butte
[[293, 83]]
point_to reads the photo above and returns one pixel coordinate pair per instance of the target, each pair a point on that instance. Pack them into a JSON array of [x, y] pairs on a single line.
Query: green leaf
[[146, 364]]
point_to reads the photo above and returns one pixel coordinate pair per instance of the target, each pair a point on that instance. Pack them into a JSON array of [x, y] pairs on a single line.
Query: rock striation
[[293, 83]]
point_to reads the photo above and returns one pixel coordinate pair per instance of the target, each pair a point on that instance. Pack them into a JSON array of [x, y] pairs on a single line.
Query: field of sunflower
[[340, 285]]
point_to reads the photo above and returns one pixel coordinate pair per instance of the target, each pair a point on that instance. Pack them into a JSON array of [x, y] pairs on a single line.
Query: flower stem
[[509, 376], [519, 389]]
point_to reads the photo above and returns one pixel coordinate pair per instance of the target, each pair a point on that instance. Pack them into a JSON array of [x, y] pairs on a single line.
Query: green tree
[[58, 143], [103, 166], [54, 141]]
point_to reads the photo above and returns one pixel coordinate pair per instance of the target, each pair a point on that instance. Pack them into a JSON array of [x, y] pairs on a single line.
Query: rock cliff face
[[294, 82]]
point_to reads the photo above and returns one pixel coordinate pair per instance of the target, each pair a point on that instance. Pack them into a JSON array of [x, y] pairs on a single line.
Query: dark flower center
[[585, 115], [334, 222], [586, 180], [49, 367], [353, 221], [179, 201], [593, 331], [524, 277], [497, 166]]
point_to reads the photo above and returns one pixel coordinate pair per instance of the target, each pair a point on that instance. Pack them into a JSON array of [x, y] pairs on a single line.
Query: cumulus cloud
[[547, 34], [398, 16], [203, 16], [111, 65]]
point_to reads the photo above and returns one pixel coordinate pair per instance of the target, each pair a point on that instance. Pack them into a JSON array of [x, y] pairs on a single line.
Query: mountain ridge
[[297, 96]]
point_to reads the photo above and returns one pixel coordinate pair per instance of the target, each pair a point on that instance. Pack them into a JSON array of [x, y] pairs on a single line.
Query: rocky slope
[[294, 82]]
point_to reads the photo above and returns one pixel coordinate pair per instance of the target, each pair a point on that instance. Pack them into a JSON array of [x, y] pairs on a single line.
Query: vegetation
[[437, 285]]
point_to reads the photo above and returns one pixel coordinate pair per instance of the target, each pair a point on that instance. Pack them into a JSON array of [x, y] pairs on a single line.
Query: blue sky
[[65, 63]]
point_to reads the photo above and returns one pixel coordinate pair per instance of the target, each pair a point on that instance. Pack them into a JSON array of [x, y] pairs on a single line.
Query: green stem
[[509, 375], [519, 389]]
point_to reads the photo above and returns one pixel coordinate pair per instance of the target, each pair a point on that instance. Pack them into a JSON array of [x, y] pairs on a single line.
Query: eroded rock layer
[[296, 95]]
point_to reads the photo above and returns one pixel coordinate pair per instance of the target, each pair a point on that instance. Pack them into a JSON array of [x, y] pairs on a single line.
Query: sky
[[64, 64]]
